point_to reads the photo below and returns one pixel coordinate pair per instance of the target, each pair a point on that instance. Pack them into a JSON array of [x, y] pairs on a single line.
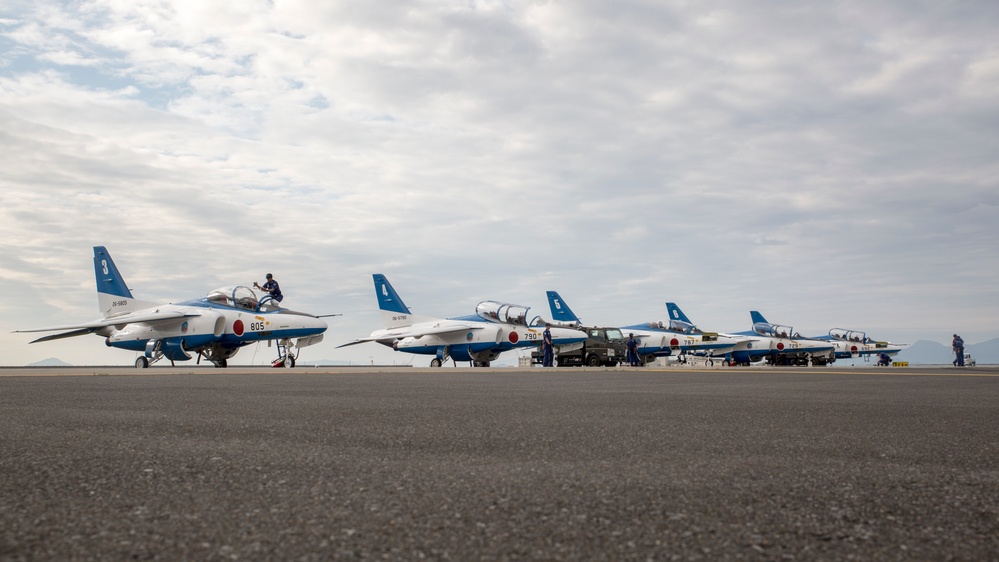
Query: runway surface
[[499, 464]]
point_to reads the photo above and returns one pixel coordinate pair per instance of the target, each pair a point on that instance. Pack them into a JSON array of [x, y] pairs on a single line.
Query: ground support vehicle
[[604, 347]]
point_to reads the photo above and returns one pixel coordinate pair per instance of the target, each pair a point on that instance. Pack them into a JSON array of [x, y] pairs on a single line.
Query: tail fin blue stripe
[[560, 311], [388, 299], [109, 280], [675, 313]]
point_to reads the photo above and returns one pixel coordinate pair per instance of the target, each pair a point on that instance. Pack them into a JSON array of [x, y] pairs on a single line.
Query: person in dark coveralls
[[547, 347], [632, 344], [272, 288], [958, 346]]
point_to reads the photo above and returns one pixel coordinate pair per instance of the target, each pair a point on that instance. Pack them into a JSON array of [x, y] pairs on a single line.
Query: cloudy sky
[[831, 164]]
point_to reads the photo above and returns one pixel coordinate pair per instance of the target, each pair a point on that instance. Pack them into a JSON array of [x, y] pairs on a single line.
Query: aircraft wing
[[91, 327], [415, 332], [80, 332]]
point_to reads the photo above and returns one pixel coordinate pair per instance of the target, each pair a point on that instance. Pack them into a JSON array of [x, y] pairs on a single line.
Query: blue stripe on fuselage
[[432, 349], [191, 341]]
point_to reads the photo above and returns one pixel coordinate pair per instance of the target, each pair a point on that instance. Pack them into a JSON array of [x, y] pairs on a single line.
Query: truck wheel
[[593, 361]]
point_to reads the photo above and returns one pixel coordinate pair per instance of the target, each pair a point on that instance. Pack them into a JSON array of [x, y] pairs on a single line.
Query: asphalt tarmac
[[499, 464]]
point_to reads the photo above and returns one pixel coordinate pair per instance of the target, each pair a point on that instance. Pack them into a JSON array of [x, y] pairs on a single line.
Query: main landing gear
[[444, 353], [143, 362], [216, 356]]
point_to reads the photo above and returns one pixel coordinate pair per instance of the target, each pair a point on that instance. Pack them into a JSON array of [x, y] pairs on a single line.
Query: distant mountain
[[985, 353], [925, 352], [50, 362]]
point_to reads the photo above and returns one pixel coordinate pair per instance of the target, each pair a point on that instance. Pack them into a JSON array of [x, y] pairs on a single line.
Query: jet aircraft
[[656, 339], [679, 335], [851, 344], [480, 338], [779, 345], [214, 327]]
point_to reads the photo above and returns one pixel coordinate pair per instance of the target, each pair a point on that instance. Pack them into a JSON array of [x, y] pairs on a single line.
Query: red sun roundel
[[853, 348], [514, 337], [780, 346], [674, 342], [237, 327]]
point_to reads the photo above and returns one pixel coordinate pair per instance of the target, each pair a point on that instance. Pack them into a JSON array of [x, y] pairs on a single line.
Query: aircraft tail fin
[[113, 296], [757, 317], [675, 313], [562, 315], [395, 313]]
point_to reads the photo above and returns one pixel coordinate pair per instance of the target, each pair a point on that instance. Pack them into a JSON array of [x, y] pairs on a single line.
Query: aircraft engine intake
[[500, 335], [208, 323], [174, 349]]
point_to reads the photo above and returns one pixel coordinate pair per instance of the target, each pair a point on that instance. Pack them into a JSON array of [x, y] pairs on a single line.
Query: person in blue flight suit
[[958, 346], [547, 347], [272, 288], [632, 344]]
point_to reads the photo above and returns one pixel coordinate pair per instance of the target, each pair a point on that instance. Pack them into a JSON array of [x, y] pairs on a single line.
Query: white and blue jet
[[778, 345], [851, 344], [680, 336], [480, 338], [213, 327], [657, 339]]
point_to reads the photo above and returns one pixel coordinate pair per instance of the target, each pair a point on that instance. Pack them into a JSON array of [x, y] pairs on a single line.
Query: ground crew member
[[547, 347], [632, 344], [272, 288]]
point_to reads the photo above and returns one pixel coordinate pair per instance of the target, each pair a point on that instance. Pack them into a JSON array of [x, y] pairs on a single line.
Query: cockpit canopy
[[773, 330], [683, 327], [848, 335], [498, 312], [678, 326], [240, 296]]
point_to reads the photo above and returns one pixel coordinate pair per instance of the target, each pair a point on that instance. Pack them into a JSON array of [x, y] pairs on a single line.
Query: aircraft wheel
[[435, 362], [141, 363], [710, 363], [221, 364], [289, 362]]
